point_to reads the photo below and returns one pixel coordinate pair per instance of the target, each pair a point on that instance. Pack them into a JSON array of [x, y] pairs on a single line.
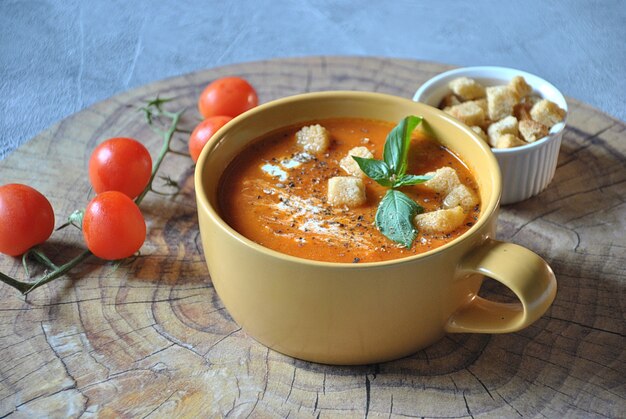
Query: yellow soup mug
[[344, 313]]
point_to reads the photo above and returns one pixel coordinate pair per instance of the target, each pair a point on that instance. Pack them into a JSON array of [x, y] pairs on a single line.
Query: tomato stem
[[57, 271], [179, 153], [19, 285], [61, 270], [165, 148], [42, 258]]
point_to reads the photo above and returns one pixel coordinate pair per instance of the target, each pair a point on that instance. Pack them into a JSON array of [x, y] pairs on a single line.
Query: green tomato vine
[[156, 117]]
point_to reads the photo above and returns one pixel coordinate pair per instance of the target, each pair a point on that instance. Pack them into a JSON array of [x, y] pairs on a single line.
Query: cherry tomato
[[203, 133], [227, 96], [113, 226], [26, 218], [120, 164]]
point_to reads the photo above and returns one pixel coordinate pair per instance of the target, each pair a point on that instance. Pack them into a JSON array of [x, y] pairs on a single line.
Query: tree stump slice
[[151, 338]]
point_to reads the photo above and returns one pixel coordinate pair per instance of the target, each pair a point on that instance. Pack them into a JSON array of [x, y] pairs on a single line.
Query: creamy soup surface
[[274, 194]]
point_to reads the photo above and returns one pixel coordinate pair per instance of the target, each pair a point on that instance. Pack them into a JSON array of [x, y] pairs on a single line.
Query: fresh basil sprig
[[394, 217], [376, 170], [397, 145]]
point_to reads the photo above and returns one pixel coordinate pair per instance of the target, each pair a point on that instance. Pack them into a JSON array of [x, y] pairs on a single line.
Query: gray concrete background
[[58, 57]]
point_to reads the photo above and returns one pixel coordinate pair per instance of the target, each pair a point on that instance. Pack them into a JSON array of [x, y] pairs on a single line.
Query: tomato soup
[[275, 194]]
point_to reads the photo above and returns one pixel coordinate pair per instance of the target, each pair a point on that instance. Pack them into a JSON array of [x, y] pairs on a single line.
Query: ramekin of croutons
[[520, 115]]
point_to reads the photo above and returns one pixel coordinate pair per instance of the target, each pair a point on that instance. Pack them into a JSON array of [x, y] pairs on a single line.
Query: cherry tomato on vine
[[113, 226], [26, 218], [120, 164], [203, 133], [227, 96]]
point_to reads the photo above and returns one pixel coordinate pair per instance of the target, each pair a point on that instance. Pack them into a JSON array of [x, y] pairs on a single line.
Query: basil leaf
[[375, 169], [397, 145], [407, 180], [394, 217]]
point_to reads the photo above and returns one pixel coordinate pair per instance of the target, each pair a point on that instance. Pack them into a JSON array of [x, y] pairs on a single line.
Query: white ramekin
[[528, 169]]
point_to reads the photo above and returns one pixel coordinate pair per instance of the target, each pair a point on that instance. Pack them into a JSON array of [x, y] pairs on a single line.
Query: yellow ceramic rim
[[203, 201]]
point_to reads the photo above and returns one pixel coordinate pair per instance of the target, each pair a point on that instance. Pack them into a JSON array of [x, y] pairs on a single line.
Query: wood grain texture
[[151, 337]]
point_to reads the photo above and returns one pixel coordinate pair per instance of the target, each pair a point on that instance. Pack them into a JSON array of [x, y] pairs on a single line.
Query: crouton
[[313, 139], [531, 130], [508, 125], [346, 190], [350, 165], [461, 196], [467, 112], [547, 113], [500, 102], [449, 100], [481, 133], [509, 141], [483, 104], [531, 99], [440, 221], [503, 108], [519, 86], [522, 110], [443, 180], [467, 88]]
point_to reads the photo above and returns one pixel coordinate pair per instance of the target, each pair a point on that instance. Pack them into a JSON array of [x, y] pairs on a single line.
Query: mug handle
[[526, 274]]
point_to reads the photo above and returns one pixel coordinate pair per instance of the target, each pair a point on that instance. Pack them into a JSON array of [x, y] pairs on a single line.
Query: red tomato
[[203, 133], [26, 218], [120, 164], [113, 226], [227, 96]]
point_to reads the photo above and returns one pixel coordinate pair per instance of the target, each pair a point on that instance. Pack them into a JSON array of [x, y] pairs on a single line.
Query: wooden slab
[[151, 337]]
